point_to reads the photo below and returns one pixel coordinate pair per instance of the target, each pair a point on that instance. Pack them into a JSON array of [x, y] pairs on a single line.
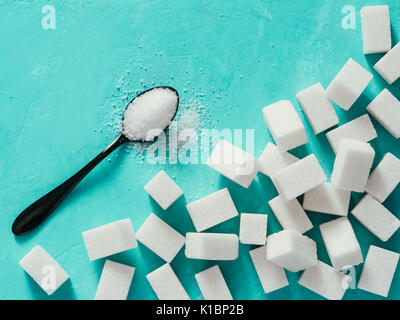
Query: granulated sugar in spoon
[[145, 118]]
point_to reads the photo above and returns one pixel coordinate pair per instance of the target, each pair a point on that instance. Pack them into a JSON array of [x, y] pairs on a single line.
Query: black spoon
[[38, 211]]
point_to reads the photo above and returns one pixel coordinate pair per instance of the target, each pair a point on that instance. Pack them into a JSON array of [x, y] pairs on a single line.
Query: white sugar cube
[[349, 84], [166, 284], [115, 281], [384, 178], [385, 108], [163, 189], [109, 239], [233, 163], [291, 250], [325, 281], [299, 177], [389, 65], [375, 26], [160, 238], [378, 271], [211, 246], [341, 243], [285, 125], [212, 210], [376, 218], [317, 107], [272, 276], [290, 214], [42, 268], [253, 228], [273, 159], [327, 199], [352, 165], [212, 284], [360, 129]]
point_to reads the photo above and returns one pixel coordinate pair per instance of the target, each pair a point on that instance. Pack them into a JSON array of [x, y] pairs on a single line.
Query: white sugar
[[115, 281], [375, 26], [109, 239], [39, 264], [376, 218], [211, 246], [149, 113], [290, 214], [291, 250], [360, 129], [389, 65], [378, 271], [233, 163], [325, 281], [272, 276], [298, 178], [273, 159], [385, 108], [166, 284], [385, 177], [253, 228], [327, 199], [160, 238], [212, 284], [212, 210], [285, 125], [352, 165], [341, 243], [348, 84], [317, 107], [163, 189]]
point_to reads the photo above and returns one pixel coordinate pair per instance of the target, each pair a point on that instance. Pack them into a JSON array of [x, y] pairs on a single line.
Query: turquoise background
[[58, 92]]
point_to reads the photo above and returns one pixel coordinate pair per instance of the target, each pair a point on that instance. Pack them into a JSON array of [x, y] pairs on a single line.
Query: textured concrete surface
[[61, 91]]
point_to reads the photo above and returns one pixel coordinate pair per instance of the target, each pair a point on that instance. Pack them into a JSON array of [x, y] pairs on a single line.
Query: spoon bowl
[[38, 211], [162, 129]]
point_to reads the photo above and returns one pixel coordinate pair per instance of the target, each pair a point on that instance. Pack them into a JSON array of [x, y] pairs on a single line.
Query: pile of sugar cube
[[288, 249]]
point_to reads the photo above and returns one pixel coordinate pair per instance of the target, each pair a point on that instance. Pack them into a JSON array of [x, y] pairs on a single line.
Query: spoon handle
[[38, 211]]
